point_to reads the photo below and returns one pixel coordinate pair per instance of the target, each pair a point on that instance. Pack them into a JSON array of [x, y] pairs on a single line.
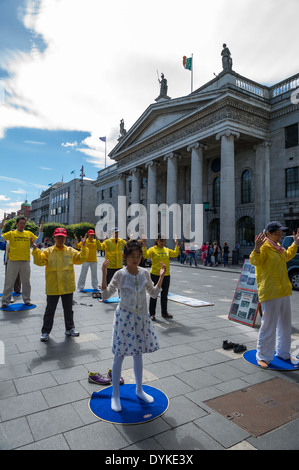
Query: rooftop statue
[[227, 61]]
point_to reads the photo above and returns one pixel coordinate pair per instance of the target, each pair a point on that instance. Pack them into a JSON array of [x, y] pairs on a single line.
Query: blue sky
[[70, 70]]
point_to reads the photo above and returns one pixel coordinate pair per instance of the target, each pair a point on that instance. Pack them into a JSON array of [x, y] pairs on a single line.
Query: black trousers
[[163, 295], [110, 274], [67, 304]]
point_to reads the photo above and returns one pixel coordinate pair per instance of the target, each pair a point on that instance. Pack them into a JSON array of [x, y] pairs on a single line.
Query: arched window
[[215, 230], [246, 187], [245, 230], [216, 192]]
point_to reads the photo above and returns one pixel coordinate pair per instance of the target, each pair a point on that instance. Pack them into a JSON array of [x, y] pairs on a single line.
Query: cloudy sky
[[70, 70]]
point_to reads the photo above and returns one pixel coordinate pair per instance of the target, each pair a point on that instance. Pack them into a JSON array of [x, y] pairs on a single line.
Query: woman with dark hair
[[157, 254]]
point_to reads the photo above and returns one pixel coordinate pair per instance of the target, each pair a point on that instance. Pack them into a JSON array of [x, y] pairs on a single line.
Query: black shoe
[[227, 345], [167, 315]]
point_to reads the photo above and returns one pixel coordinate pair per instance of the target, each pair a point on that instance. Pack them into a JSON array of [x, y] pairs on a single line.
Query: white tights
[[116, 373]]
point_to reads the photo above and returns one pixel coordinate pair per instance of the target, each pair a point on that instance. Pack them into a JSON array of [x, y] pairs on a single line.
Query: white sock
[[116, 372], [138, 370]]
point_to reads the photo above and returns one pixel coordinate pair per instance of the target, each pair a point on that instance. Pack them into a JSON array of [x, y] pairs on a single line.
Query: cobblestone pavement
[[44, 391]]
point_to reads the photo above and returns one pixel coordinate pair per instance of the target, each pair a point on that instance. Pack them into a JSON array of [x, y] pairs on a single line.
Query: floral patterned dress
[[133, 331]]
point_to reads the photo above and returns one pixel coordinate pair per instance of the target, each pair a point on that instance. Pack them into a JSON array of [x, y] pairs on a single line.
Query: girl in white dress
[[133, 332]]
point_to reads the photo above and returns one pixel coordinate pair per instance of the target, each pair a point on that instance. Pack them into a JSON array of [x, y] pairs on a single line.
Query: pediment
[[160, 117]]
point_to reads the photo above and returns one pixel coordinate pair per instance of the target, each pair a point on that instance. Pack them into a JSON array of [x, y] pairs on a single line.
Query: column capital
[[228, 133], [133, 171], [171, 156], [122, 176], [264, 144], [196, 145], [152, 163]]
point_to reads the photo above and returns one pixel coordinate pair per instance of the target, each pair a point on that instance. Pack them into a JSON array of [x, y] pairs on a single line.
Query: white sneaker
[[72, 332], [44, 337]]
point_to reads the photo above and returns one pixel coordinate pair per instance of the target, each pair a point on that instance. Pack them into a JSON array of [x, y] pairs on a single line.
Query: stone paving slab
[[44, 391]]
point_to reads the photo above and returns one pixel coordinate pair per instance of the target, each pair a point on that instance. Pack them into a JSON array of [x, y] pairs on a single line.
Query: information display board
[[245, 304]]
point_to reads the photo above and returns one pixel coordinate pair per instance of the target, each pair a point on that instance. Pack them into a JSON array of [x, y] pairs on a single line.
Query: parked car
[[293, 264]]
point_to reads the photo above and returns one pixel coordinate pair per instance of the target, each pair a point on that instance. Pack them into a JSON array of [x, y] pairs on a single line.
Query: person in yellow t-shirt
[[59, 261], [18, 259], [159, 253], [113, 248], [93, 244]]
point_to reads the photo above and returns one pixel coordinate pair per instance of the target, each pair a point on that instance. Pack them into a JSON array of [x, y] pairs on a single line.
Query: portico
[[213, 146]]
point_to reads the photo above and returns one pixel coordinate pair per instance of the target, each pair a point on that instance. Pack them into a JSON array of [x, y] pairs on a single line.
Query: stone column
[[172, 195], [196, 214], [262, 185], [152, 209], [135, 186], [227, 188]]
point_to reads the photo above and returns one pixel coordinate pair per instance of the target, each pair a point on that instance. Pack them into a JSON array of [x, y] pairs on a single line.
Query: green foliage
[[78, 229]]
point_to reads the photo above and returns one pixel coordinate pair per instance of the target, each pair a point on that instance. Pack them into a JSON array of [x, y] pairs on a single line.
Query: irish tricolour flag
[[187, 62]]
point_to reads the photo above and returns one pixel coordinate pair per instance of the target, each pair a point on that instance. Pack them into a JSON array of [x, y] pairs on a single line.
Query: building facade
[[66, 203], [231, 146]]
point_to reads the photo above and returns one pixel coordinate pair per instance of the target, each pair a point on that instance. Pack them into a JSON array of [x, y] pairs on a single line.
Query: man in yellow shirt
[[113, 248], [159, 253], [93, 244], [60, 280], [18, 259]]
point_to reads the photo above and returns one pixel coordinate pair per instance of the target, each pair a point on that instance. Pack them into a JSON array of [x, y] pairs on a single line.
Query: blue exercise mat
[[112, 300], [13, 294], [134, 410], [90, 290], [17, 307], [276, 364]]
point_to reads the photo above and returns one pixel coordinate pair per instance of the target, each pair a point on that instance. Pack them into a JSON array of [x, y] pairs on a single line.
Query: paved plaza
[[44, 388]]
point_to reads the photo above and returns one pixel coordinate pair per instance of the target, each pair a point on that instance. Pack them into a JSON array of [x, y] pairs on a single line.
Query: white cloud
[[4, 198], [102, 58], [19, 191]]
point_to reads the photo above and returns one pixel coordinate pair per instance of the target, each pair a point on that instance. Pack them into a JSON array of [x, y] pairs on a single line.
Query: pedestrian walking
[[274, 290], [59, 261], [157, 253], [133, 331]]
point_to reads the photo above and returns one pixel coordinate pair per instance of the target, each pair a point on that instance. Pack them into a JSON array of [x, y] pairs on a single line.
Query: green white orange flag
[[187, 62]]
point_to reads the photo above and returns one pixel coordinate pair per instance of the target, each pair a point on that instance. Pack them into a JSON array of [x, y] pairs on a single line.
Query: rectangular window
[[291, 136], [292, 182], [111, 191]]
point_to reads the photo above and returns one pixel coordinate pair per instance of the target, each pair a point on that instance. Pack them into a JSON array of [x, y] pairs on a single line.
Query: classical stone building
[[231, 145]]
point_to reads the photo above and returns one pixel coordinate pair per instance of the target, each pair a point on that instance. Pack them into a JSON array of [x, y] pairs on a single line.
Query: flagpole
[[192, 74]]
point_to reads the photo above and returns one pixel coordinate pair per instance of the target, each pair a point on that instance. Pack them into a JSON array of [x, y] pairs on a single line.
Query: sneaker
[[72, 332], [29, 304], [4, 306], [109, 374], [99, 379], [44, 337]]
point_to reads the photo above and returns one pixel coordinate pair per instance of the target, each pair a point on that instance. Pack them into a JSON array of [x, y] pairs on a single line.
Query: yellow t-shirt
[[19, 244], [92, 246], [159, 255]]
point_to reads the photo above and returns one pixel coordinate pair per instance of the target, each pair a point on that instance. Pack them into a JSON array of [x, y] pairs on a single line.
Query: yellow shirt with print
[[113, 252], [92, 246], [19, 244], [158, 255]]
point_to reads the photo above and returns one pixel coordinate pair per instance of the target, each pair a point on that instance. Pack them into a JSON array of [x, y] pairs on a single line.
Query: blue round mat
[[111, 300], [13, 294], [90, 290], [17, 307], [276, 364], [134, 410]]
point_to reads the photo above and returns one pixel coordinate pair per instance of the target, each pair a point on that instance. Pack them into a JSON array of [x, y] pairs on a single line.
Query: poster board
[[245, 304]]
